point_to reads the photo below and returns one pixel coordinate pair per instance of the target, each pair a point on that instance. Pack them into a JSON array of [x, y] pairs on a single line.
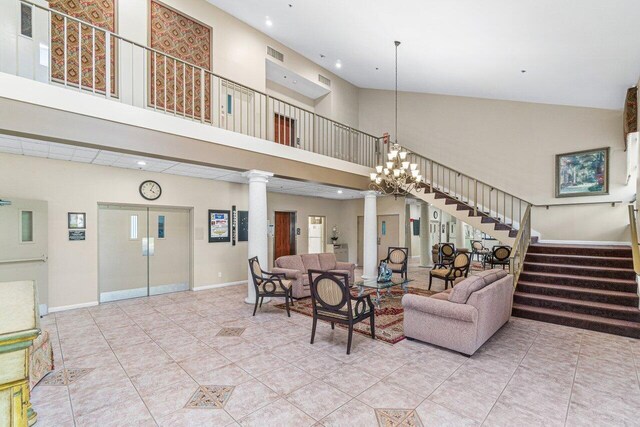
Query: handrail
[[520, 247], [633, 229], [23, 260], [603, 202]]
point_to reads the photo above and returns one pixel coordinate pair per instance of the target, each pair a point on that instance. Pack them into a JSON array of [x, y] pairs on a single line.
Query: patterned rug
[[389, 315]]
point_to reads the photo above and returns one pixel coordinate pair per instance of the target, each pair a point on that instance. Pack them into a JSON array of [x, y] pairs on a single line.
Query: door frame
[[292, 232], [188, 209]]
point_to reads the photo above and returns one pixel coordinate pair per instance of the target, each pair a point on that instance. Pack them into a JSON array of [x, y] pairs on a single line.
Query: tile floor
[[199, 358]]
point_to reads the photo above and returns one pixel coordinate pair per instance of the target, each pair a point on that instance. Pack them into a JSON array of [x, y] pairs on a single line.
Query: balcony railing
[[92, 60]]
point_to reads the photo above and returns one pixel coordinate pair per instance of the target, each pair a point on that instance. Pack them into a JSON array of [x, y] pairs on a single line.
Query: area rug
[[389, 316]]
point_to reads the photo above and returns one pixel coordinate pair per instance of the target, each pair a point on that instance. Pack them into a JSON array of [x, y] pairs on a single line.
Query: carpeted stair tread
[[580, 277], [630, 298], [584, 270], [580, 320], [579, 302], [578, 260], [575, 249]]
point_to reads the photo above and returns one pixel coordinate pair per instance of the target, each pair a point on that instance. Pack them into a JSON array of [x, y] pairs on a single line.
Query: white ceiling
[[575, 52], [51, 150]]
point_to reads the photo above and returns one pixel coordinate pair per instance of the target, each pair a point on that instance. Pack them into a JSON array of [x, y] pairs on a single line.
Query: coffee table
[[381, 286]]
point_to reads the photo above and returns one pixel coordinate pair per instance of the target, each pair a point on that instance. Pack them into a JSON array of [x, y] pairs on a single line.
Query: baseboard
[[585, 242], [142, 292], [219, 285], [72, 307]]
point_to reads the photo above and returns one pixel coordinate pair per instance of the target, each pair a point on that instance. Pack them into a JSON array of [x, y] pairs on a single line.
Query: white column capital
[[368, 194], [256, 175]]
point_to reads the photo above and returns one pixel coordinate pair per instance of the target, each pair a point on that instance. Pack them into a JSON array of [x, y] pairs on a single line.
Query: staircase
[[589, 287]]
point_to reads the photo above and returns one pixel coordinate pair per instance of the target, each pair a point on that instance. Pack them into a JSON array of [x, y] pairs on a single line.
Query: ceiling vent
[[275, 54], [325, 81]]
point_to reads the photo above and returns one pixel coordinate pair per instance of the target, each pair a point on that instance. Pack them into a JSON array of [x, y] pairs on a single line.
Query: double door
[[142, 251]]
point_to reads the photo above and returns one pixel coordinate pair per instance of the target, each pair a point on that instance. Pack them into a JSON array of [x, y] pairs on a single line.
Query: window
[[26, 18], [160, 226], [133, 230], [26, 226]]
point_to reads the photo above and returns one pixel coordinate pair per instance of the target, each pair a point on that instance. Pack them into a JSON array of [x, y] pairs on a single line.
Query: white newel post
[[258, 242], [425, 236], [370, 236]]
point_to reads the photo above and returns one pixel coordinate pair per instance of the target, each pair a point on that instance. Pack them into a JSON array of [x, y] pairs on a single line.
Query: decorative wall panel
[[630, 113], [84, 47], [175, 85]]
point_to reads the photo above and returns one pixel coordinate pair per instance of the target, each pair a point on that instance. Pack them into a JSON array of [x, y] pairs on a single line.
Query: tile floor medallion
[[230, 332], [65, 376], [398, 418], [210, 397]]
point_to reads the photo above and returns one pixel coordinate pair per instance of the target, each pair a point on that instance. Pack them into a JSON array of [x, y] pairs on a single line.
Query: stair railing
[[482, 197], [633, 229], [520, 247]]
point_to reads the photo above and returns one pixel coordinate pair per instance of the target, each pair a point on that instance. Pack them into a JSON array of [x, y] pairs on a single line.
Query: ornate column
[[425, 236], [370, 236], [258, 242]]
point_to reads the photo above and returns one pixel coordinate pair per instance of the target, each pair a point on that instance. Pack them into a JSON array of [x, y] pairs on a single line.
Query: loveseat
[[464, 317], [295, 268]]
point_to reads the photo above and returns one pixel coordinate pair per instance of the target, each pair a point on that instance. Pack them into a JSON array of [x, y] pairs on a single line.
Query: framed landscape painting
[[583, 173]]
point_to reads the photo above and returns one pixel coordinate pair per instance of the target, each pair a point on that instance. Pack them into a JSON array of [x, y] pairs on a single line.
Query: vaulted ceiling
[[574, 52]]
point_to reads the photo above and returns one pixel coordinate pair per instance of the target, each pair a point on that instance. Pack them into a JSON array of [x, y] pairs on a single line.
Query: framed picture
[[219, 226], [76, 220], [583, 173]]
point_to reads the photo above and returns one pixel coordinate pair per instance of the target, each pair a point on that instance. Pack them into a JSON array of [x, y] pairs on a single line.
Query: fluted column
[[258, 242], [425, 236], [370, 236]]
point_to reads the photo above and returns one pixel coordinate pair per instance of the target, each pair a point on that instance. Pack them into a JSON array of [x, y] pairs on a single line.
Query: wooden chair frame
[[271, 284], [344, 311]]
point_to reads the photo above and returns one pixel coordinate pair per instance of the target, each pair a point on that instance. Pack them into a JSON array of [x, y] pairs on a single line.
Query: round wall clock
[[150, 190]]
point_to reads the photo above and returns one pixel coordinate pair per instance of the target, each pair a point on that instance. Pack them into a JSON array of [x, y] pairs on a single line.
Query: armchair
[[269, 285], [449, 273], [397, 259], [499, 256], [332, 302], [446, 253], [478, 250]]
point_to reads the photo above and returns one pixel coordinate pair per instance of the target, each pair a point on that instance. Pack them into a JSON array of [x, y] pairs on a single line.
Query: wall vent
[[322, 79], [275, 54]]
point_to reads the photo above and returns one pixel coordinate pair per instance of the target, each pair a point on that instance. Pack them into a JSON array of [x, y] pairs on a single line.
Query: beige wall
[[512, 145], [239, 53], [74, 187]]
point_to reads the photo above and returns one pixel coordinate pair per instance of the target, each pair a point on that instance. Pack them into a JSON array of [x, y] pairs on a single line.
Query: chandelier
[[397, 176]]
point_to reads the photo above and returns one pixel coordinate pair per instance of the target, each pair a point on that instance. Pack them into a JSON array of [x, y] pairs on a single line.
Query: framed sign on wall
[[219, 226]]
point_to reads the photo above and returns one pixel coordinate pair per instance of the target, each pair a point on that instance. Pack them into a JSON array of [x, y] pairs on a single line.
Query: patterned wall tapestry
[[102, 14], [178, 84]]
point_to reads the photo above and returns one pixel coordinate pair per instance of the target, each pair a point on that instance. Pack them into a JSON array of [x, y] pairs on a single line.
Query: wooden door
[[285, 243], [284, 130]]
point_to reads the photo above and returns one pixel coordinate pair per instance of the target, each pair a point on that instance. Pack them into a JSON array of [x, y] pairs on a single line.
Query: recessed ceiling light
[[295, 81], [142, 163], [339, 191], [268, 22], [338, 64]]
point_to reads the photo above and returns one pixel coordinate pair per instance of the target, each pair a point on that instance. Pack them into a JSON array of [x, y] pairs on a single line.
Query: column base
[[253, 301]]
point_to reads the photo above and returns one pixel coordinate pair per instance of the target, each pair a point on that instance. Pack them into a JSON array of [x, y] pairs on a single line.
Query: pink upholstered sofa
[[464, 317], [295, 268]]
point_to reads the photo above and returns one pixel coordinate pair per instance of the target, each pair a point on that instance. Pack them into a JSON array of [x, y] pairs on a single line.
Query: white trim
[[43, 310], [219, 285], [142, 292], [73, 306], [586, 242]]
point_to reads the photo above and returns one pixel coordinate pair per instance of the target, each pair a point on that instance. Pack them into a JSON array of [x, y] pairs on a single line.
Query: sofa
[[463, 317], [295, 268]]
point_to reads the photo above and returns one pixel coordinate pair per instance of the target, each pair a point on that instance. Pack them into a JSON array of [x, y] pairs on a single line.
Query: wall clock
[[150, 190]]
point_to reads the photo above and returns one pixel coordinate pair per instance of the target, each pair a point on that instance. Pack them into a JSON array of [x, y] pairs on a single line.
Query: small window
[[26, 226], [133, 232], [229, 104], [160, 226], [26, 18]]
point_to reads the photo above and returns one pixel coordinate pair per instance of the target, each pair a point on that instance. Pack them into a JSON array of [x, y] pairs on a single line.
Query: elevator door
[[142, 251]]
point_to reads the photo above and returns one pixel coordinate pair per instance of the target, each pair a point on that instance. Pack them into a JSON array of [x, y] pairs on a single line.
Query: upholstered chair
[[397, 260], [478, 250], [450, 272], [332, 302], [271, 285], [499, 256], [446, 253]]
